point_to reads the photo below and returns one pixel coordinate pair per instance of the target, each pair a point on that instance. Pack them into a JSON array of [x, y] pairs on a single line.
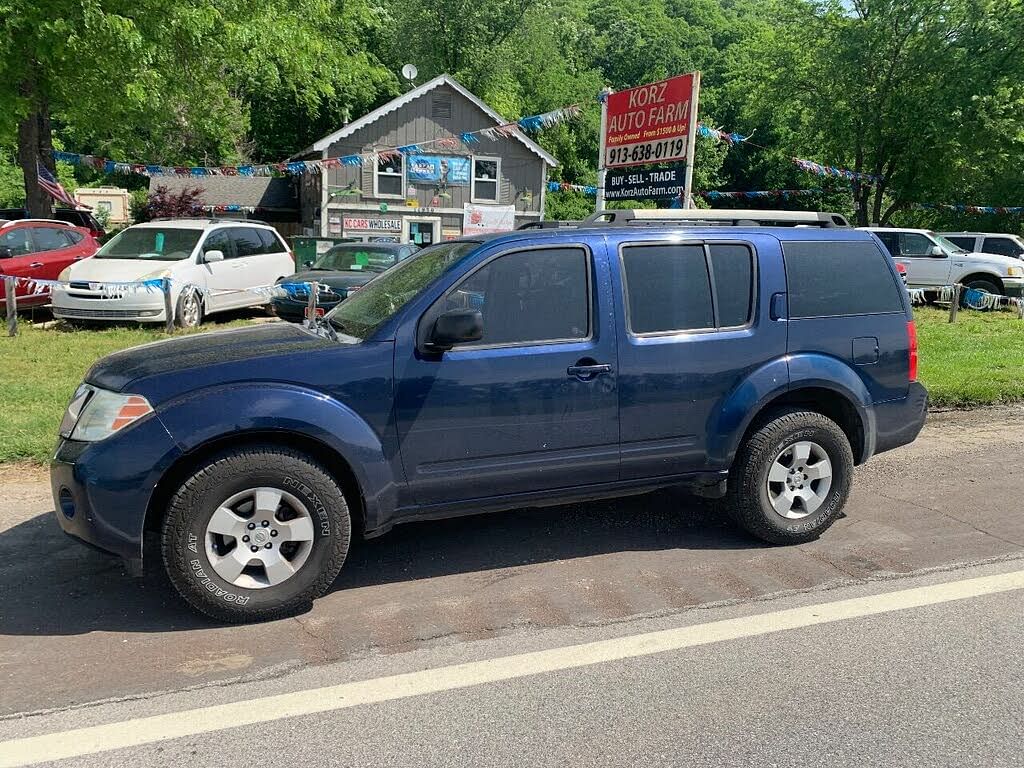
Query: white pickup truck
[[931, 260]]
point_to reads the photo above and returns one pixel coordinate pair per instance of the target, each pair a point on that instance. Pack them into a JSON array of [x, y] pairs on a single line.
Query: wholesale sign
[[651, 123]]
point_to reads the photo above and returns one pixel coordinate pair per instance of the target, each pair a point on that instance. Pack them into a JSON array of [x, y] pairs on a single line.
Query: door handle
[[588, 371], [36, 264]]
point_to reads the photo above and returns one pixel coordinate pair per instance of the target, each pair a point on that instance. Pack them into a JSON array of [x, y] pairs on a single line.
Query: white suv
[[932, 261], [212, 265]]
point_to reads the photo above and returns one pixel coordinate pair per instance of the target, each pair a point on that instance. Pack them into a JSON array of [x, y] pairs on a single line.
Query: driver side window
[[529, 297], [913, 244], [16, 240]]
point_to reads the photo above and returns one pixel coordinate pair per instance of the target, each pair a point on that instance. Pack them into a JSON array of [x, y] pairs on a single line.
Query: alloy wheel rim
[[259, 538], [799, 480], [190, 309]]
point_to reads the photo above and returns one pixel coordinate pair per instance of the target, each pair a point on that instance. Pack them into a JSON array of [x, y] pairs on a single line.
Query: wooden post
[[314, 289], [165, 287], [10, 286], [954, 305]]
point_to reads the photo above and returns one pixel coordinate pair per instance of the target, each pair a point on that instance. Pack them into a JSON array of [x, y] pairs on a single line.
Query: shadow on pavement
[[52, 585]]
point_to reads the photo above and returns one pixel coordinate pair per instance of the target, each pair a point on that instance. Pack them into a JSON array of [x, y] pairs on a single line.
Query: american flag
[[53, 187]]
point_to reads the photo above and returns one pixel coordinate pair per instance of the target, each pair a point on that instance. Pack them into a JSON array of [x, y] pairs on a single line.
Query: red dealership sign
[[651, 123]]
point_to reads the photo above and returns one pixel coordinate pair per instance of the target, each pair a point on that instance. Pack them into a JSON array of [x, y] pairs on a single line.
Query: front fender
[[206, 415], [776, 379]]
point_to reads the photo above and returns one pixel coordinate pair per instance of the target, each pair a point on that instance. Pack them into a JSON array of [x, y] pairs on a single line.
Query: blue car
[[755, 363]]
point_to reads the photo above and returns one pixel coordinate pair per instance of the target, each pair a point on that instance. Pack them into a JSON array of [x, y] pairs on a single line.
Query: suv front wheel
[[256, 533], [791, 478]]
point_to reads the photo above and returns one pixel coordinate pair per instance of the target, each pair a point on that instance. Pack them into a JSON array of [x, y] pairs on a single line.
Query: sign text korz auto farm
[[650, 123]]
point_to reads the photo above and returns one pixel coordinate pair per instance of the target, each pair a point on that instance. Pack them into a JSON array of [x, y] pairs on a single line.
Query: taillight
[[912, 345]]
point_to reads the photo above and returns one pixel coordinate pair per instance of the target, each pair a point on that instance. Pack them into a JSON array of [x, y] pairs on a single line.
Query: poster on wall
[[482, 219], [651, 123], [438, 169]]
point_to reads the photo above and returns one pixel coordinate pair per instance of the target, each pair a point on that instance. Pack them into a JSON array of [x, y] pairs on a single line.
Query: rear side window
[[529, 297], [830, 279], [247, 242], [271, 242], [669, 286], [1003, 246], [49, 239]]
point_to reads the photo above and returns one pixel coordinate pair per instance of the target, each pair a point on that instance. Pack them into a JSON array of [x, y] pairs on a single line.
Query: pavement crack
[[322, 642], [951, 516]]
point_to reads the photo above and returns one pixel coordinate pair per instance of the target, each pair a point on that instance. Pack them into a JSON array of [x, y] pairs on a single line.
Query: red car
[[40, 248]]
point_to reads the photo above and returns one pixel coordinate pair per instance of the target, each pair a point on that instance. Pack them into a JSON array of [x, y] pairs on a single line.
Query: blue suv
[[754, 364]]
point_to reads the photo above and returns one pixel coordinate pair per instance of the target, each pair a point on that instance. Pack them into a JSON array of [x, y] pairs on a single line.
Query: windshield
[[948, 245], [383, 296], [171, 244], [357, 258]]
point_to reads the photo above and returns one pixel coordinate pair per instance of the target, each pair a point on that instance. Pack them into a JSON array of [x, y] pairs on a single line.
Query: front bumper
[[295, 310], [101, 490], [898, 422], [1013, 286], [140, 307]]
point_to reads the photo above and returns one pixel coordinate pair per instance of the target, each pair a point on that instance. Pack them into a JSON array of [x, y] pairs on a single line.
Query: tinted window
[[48, 239], [828, 279], [734, 283], [1004, 246], [967, 243], [247, 242], [16, 240], [667, 288], [357, 258], [218, 241], [891, 240], [75, 237], [913, 244], [529, 296], [271, 242]]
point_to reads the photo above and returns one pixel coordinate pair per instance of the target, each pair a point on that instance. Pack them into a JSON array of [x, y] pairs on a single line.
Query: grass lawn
[[977, 361], [39, 370]]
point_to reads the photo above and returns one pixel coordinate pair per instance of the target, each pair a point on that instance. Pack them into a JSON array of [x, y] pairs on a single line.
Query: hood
[[204, 350], [999, 262], [332, 278], [116, 270]]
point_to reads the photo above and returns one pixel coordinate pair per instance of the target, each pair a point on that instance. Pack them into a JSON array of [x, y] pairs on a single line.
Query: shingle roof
[[415, 93], [256, 192]]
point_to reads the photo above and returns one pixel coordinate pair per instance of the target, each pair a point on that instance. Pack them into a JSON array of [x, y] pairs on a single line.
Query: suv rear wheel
[[791, 478], [256, 533]]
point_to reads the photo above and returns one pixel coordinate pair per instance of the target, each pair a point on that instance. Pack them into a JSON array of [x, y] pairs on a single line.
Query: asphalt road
[[75, 630], [909, 672]]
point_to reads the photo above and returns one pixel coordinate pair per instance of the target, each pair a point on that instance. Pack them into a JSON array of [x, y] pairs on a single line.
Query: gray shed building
[[446, 188]]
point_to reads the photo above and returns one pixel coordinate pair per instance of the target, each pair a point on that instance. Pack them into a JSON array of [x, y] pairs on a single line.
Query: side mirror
[[456, 326], [5, 252], [211, 256], [936, 252]]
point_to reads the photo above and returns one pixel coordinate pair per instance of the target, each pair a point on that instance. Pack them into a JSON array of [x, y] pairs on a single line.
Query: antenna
[[409, 72]]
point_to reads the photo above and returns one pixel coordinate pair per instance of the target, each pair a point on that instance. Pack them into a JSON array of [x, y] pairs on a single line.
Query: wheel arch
[[986, 276], [187, 464]]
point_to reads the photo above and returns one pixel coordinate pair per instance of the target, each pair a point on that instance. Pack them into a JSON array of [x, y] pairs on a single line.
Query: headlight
[[64, 275], [1015, 271], [94, 414], [157, 274]]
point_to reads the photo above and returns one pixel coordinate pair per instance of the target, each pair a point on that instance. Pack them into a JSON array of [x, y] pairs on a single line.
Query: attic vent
[[441, 108]]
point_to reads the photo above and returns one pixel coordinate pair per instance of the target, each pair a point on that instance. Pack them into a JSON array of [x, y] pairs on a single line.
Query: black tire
[[233, 471], [980, 285], [747, 500], [181, 315]]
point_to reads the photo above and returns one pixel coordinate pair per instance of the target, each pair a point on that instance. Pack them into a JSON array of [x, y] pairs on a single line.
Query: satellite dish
[[409, 72]]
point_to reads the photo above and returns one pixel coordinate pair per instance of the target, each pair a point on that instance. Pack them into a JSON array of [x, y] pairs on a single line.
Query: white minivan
[[213, 265]]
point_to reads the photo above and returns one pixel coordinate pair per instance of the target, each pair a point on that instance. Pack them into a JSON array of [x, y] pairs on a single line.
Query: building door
[[421, 231]]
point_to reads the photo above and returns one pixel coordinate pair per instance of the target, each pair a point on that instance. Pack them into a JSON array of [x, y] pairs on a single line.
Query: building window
[[103, 206], [389, 180], [486, 179]]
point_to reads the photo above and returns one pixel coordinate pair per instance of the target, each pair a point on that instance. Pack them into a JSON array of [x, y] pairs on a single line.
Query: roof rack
[[715, 217]]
